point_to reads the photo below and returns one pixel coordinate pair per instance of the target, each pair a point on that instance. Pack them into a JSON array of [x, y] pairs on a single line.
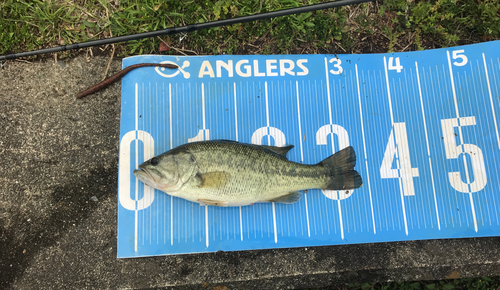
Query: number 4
[[397, 147], [398, 67]]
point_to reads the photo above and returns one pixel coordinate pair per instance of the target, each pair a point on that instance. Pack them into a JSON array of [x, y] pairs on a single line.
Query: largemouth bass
[[229, 173]]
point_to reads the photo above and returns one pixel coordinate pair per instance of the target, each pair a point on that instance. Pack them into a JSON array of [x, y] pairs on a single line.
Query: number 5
[[463, 57], [453, 152]]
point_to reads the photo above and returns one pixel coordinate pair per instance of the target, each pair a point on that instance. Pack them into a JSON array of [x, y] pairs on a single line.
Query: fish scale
[[255, 172]]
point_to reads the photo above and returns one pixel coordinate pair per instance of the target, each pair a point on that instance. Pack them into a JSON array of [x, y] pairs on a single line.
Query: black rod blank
[[187, 28]]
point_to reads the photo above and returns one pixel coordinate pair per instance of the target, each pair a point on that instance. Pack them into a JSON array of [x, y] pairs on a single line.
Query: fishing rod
[[187, 28]]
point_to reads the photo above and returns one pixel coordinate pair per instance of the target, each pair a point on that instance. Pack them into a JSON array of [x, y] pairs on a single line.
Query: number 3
[[343, 139], [337, 65]]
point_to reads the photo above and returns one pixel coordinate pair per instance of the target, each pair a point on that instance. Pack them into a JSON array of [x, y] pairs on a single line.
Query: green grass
[[390, 25]]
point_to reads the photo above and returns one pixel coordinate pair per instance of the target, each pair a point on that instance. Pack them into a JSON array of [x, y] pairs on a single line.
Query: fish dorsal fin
[[215, 179], [225, 141], [290, 197], [282, 151], [278, 150]]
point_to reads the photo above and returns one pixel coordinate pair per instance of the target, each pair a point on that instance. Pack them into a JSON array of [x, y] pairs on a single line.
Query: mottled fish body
[[228, 173]]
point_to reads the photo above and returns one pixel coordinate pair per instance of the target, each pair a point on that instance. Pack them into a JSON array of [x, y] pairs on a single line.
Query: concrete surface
[[58, 203]]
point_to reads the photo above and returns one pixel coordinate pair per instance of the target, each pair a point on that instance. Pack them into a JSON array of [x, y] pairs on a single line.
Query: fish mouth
[[145, 176]]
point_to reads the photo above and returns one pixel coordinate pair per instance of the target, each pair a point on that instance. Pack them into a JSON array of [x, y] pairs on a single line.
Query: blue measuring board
[[424, 125]]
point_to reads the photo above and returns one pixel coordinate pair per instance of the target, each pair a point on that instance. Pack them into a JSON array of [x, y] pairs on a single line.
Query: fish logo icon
[[161, 70]]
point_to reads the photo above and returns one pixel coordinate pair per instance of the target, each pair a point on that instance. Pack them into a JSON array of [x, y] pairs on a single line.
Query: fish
[[230, 173]]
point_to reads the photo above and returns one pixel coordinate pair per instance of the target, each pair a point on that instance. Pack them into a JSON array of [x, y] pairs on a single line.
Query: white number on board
[[457, 54], [277, 135], [124, 177], [203, 135], [322, 139], [398, 67], [336, 65], [453, 151], [397, 149]]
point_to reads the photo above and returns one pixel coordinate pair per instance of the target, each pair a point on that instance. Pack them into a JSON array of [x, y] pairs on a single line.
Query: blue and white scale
[[424, 125]]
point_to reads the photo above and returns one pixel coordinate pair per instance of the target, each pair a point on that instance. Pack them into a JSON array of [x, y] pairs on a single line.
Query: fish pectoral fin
[[290, 197], [215, 179], [213, 202]]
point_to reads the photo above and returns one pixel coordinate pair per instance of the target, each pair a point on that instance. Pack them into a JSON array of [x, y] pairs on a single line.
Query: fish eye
[[155, 161]]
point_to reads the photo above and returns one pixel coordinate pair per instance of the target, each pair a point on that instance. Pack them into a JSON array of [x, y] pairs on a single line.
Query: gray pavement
[[58, 205]]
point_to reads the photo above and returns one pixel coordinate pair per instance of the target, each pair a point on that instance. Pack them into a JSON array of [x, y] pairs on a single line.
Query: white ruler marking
[[461, 139], [436, 98], [142, 136], [364, 149], [269, 143], [164, 149], [397, 155], [467, 177], [171, 142], [331, 138], [206, 226], [148, 196], [157, 203], [387, 201], [483, 177], [136, 227], [352, 211], [411, 202], [235, 112], [302, 154], [204, 136], [491, 100], [298, 118], [236, 126], [428, 147], [496, 171], [318, 209]]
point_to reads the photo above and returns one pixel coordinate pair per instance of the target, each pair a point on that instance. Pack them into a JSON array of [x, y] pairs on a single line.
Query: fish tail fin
[[340, 170]]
